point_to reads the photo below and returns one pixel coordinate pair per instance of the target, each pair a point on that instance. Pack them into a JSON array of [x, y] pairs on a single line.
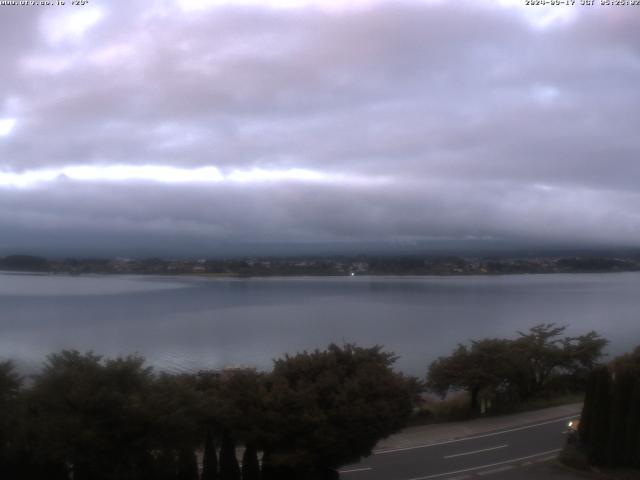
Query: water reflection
[[191, 323]]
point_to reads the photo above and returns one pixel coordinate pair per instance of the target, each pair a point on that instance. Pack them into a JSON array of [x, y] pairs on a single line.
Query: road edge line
[[505, 462], [483, 435]]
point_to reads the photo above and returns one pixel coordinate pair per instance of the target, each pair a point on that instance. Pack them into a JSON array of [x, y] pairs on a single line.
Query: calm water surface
[[192, 323]]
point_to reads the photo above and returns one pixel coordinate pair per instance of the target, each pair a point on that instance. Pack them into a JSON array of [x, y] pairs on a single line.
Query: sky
[[214, 127]]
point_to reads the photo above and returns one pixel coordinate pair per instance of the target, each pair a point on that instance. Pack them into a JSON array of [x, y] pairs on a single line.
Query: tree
[[328, 408], [240, 405], [489, 366], [599, 429], [622, 388], [174, 407], [632, 433], [233, 403], [91, 414], [512, 370], [583, 353], [610, 426], [229, 468], [587, 418], [18, 460], [545, 354], [10, 384], [250, 464], [187, 465], [626, 423], [209, 459]]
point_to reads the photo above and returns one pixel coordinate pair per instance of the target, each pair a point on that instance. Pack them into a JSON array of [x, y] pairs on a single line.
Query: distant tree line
[[91, 418], [319, 265], [25, 263], [501, 373], [609, 431]]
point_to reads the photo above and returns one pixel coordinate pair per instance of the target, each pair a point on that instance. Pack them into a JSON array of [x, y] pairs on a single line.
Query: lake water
[[185, 324]]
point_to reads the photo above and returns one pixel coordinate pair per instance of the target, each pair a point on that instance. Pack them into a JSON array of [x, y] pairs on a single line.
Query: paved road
[[479, 456]]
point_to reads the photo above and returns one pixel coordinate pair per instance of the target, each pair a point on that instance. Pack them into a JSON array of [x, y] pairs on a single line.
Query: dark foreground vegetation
[[609, 432], [501, 374], [88, 418]]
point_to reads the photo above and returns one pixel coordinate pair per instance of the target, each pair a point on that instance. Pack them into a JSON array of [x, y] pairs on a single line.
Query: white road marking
[[476, 451], [496, 470], [492, 434], [481, 467], [354, 470]]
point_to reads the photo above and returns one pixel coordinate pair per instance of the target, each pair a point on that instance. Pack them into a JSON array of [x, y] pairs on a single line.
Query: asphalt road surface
[[500, 453]]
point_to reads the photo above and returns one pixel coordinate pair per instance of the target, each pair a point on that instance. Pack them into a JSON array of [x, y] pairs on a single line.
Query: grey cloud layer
[[487, 126]]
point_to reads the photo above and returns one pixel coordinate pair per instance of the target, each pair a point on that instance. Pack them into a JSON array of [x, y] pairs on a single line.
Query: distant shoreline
[[400, 266], [304, 275]]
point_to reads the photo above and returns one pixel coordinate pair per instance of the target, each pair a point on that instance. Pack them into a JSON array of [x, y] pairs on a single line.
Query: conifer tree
[[597, 448], [632, 434], [210, 459], [622, 389], [588, 411], [267, 472], [188, 465], [229, 468], [250, 464], [165, 465]]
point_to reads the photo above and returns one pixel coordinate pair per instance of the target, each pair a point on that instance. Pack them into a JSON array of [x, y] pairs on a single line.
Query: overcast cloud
[[205, 124]]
